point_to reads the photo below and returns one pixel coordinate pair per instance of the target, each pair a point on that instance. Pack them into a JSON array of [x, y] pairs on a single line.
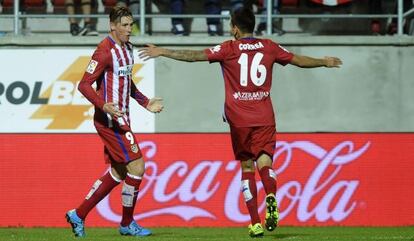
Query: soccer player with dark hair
[[111, 69], [247, 64]]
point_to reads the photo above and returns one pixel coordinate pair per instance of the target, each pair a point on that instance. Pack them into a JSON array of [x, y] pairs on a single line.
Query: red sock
[[268, 179], [99, 190], [129, 198], [249, 191]]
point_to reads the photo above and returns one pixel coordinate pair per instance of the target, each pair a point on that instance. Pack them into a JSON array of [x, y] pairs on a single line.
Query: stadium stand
[[108, 4], [27, 6], [315, 26], [59, 5]]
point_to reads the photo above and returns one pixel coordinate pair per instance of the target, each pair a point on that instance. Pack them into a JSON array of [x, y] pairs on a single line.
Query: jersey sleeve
[[217, 53], [96, 67], [282, 55], [138, 95]]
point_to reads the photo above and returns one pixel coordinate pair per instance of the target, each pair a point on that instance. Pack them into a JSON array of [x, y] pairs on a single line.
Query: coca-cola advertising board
[[193, 180]]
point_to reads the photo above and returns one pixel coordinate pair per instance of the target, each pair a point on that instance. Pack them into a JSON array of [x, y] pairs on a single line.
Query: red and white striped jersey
[[111, 69]]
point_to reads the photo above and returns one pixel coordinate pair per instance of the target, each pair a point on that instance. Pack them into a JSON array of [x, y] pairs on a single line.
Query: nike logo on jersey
[[216, 48]]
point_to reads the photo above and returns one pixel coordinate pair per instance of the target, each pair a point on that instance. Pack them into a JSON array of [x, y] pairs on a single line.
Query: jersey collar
[[248, 38], [111, 39]]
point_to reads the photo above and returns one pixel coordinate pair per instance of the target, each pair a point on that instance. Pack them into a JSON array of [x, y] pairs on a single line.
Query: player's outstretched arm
[[152, 51], [309, 62]]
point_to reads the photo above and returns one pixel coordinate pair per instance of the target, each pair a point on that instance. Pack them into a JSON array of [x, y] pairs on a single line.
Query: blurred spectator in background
[[262, 9], [89, 28], [276, 28], [1, 6], [211, 7], [236, 4], [133, 6], [393, 26], [375, 7], [2, 33]]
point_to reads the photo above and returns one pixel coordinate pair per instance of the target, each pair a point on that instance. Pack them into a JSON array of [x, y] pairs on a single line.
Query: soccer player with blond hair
[[111, 69]]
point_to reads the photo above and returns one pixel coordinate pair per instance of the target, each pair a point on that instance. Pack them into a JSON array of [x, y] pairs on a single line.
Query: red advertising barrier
[[192, 180]]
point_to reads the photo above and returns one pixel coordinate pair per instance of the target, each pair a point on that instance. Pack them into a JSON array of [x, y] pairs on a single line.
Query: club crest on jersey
[[92, 66], [134, 148], [125, 70], [216, 48]]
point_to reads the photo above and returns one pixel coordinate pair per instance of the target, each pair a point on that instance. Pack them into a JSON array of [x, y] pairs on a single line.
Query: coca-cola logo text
[[195, 184]]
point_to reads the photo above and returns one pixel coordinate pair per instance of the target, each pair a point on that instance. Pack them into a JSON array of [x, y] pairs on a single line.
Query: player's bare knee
[[247, 166], [136, 167], [118, 172], [264, 160]]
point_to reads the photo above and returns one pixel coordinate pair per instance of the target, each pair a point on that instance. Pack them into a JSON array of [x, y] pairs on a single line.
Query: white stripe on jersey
[[115, 82], [125, 81], [125, 91], [131, 62], [106, 97]]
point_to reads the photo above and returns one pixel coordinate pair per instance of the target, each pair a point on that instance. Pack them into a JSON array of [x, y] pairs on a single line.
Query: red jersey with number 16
[[247, 66]]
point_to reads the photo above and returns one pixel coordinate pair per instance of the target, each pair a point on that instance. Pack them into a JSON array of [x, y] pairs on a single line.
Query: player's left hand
[[151, 51], [155, 105]]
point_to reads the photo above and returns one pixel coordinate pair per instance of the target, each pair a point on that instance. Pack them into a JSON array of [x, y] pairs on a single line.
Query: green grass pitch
[[218, 234]]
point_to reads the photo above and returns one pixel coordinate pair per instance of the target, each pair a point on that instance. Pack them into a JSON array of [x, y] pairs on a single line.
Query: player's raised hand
[[155, 105], [332, 62], [113, 110], [151, 51]]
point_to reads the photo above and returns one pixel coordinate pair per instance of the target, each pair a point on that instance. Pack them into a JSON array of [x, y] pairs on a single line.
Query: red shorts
[[120, 144], [251, 142]]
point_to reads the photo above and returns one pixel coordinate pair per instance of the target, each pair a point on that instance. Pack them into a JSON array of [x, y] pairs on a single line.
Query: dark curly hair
[[244, 19]]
